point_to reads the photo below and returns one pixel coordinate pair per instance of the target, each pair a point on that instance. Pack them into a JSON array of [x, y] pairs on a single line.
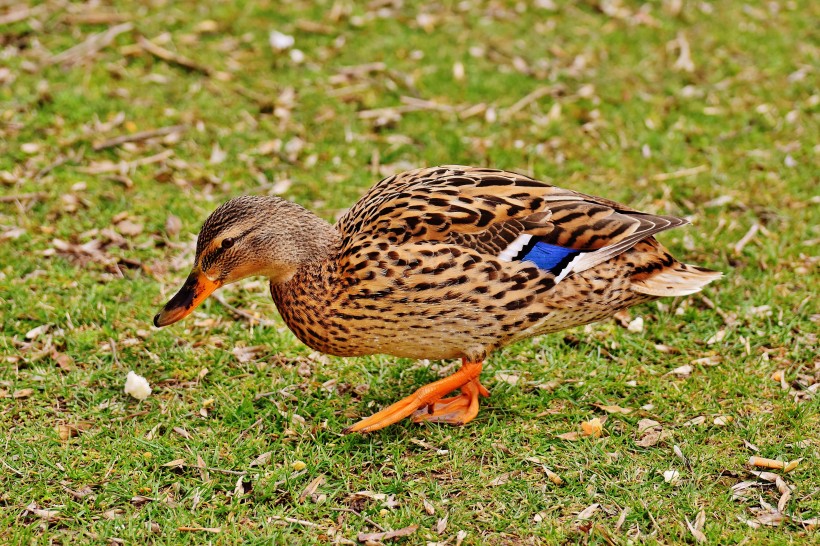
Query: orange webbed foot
[[457, 410], [429, 396]]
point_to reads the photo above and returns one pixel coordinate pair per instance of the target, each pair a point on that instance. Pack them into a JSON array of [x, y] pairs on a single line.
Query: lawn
[[123, 124]]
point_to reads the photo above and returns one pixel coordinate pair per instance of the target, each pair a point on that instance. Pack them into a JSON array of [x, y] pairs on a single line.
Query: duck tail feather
[[679, 279]]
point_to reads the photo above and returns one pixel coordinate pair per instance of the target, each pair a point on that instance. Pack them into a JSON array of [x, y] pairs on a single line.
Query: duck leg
[[455, 410]]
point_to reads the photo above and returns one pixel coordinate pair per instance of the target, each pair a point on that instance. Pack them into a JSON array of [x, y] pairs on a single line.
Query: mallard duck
[[439, 263]]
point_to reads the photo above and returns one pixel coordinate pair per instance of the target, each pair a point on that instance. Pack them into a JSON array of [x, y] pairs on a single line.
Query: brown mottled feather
[[413, 269]]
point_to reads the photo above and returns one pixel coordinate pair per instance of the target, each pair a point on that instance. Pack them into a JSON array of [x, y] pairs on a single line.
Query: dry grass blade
[[199, 529], [90, 46], [695, 528]]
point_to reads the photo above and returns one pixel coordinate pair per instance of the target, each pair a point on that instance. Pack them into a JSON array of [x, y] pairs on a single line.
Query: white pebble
[[636, 325], [279, 41], [297, 56], [671, 477], [137, 386]]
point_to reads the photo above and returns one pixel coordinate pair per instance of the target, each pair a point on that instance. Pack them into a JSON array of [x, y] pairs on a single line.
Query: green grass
[[618, 118]]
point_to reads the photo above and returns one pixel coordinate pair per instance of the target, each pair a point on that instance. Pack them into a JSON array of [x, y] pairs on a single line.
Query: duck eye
[[227, 243]]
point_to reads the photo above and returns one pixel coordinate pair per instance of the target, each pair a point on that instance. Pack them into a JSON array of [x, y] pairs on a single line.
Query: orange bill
[[196, 288]]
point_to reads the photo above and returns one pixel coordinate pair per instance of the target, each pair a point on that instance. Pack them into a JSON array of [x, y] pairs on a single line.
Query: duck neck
[[292, 239], [312, 239]]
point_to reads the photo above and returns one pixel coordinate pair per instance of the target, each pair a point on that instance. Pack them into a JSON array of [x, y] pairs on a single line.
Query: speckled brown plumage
[[439, 263]]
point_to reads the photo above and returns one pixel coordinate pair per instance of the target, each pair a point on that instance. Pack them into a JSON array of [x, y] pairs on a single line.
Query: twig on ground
[[352, 511], [123, 166], [527, 100], [62, 160], [96, 18], [741, 244], [306, 523], [681, 173], [21, 197], [137, 137], [170, 57], [247, 430], [17, 15]]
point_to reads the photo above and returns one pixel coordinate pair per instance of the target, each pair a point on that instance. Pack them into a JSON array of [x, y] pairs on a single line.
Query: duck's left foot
[[456, 410], [466, 378]]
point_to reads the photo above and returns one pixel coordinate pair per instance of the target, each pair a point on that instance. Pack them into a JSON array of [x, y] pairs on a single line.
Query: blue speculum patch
[[550, 257]]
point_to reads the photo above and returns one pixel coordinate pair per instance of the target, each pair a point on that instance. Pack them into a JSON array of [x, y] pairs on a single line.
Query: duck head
[[250, 235]]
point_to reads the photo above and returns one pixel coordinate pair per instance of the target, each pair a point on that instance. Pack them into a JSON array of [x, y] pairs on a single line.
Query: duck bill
[[196, 288]]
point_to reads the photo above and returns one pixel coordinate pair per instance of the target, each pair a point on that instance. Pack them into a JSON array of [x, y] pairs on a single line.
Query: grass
[[729, 141]]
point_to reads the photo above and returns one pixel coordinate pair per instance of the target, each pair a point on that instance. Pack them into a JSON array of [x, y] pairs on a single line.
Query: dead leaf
[[708, 361], [695, 528], [247, 354], [509, 378], [129, 228], [553, 477], [48, 515], [645, 424], [184, 433], [500, 480], [173, 225], [613, 409], [594, 427], [428, 507], [139, 500], [441, 525], [34, 333], [66, 432], [588, 512], [113, 513], [22, 393], [387, 535], [682, 371], [651, 433], [261, 459], [569, 436], [176, 463], [311, 488]]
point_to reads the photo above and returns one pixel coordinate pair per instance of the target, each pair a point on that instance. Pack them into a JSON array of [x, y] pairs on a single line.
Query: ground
[[706, 110]]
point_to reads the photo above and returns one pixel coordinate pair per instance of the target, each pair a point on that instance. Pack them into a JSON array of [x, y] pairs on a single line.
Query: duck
[[448, 262]]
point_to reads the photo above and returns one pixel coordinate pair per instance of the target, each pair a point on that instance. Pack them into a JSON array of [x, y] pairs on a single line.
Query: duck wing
[[499, 214]]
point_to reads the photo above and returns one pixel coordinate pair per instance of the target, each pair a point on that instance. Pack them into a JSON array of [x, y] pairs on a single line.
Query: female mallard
[[439, 263]]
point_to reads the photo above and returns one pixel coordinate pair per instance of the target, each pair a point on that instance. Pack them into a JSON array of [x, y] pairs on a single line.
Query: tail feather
[[676, 280]]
